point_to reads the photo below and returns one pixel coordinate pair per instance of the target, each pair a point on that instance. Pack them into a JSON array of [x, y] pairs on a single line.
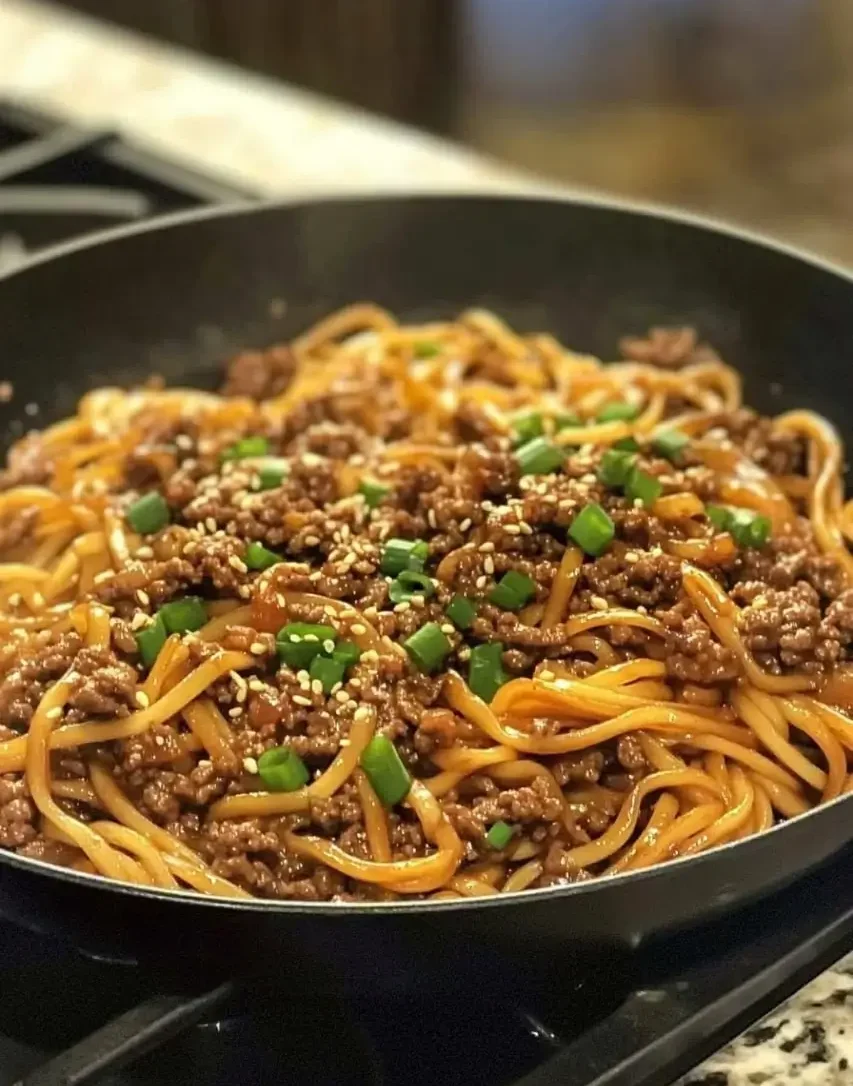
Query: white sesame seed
[[358, 629], [448, 628], [342, 696], [312, 541], [256, 686], [250, 765], [244, 591], [257, 649], [486, 548], [370, 657], [402, 607], [631, 557], [361, 713], [241, 695], [144, 552], [303, 676], [546, 676], [300, 700], [638, 503], [481, 582], [328, 645], [431, 519], [489, 565], [642, 609], [312, 637], [238, 679], [139, 620], [55, 713], [316, 687], [465, 525], [512, 529], [142, 699], [210, 524], [598, 603], [143, 597], [237, 563], [235, 712], [525, 528]]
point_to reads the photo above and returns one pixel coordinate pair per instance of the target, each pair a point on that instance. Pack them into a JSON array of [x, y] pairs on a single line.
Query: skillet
[[179, 295]]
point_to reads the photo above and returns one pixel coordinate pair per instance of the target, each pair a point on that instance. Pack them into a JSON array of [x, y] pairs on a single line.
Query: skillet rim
[[578, 200]]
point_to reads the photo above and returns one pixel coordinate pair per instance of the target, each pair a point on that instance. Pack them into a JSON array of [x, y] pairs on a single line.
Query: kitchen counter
[[274, 139]]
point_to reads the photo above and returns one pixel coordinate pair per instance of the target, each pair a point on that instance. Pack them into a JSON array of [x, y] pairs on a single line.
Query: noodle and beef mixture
[[420, 611]]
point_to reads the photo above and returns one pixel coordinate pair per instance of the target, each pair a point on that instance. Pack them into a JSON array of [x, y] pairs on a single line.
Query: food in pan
[[420, 611]]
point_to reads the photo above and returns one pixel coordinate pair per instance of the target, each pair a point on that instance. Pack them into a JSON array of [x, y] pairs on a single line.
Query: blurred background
[[739, 108]]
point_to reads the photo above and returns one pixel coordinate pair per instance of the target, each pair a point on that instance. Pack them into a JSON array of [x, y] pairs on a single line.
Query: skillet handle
[[127, 1037]]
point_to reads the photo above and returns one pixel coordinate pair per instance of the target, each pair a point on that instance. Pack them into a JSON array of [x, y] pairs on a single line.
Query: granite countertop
[[277, 140]]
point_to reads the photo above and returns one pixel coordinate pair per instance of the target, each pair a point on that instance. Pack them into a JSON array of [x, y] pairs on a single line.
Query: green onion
[[461, 612], [426, 348], [485, 670], [347, 652], [384, 768], [258, 557], [150, 639], [246, 447], [759, 532], [565, 420], [299, 642], [373, 493], [615, 467], [427, 647], [643, 486], [328, 670], [749, 529], [282, 770], [410, 583], [513, 590], [626, 444], [272, 473], [527, 426], [618, 411], [592, 530], [539, 457], [148, 514], [183, 616], [671, 444], [400, 554], [499, 836], [719, 516]]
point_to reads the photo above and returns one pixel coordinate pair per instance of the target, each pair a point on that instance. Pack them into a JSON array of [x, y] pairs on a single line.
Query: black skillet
[[179, 296]]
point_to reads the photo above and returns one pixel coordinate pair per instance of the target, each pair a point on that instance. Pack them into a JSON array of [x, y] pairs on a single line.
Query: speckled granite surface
[[278, 140]]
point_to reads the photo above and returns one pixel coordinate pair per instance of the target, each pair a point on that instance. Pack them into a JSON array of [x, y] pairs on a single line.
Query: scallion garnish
[[385, 770], [565, 420], [183, 616], [299, 642], [539, 457], [748, 529], [400, 554], [150, 639], [272, 473], [282, 770], [592, 530], [527, 426], [148, 514], [486, 674], [258, 557], [410, 583], [246, 447], [626, 444], [373, 493], [426, 348], [640, 484], [461, 612], [615, 467], [347, 652], [618, 411], [513, 590], [499, 835], [671, 444], [719, 516], [427, 647], [328, 671]]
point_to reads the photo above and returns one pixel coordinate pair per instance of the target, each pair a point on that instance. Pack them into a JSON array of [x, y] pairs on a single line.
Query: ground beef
[[778, 451], [260, 374], [24, 685], [670, 347], [17, 812]]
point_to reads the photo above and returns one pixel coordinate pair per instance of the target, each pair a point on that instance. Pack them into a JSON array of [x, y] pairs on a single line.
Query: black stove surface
[[635, 1019], [640, 1019]]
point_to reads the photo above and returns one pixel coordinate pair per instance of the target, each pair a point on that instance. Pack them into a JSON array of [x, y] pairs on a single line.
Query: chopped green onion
[[427, 647], [527, 426], [148, 514], [328, 670], [719, 516], [347, 652], [410, 583], [643, 486], [373, 493], [592, 530], [258, 557], [565, 420], [400, 554], [485, 670], [385, 770], [615, 467], [513, 590], [539, 457], [671, 444], [618, 411], [759, 531], [749, 529], [183, 616], [499, 835], [246, 447], [626, 444], [150, 639], [272, 473], [282, 770], [426, 348], [299, 642], [461, 612]]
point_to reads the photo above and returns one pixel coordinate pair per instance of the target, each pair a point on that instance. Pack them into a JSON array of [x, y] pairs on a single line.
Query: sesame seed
[[144, 552], [489, 565], [546, 676], [448, 628], [402, 607], [308, 637], [638, 503], [316, 687], [143, 597], [237, 563], [480, 582], [486, 548], [142, 699], [256, 686], [15, 599], [312, 541], [642, 609], [257, 649], [512, 529], [431, 519], [302, 676], [342, 696], [300, 700], [464, 653], [598, 603], [588, 478], [235, 712], [242, 694], [361, 713], [55, 713], [465, 525], [238, 679], [631, 556], [525, 528], [139, 620], [250, 765], [210, 524], [244, 591], [358, 629], [328, 645], [371, 656]]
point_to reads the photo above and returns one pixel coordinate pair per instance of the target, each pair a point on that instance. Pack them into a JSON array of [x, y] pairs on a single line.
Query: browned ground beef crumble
[[796, 616]]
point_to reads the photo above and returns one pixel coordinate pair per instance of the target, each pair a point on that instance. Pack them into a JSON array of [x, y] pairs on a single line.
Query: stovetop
[[634, 1019]]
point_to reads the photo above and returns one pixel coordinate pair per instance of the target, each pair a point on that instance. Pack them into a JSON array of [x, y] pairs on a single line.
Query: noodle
[[443, 609]]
